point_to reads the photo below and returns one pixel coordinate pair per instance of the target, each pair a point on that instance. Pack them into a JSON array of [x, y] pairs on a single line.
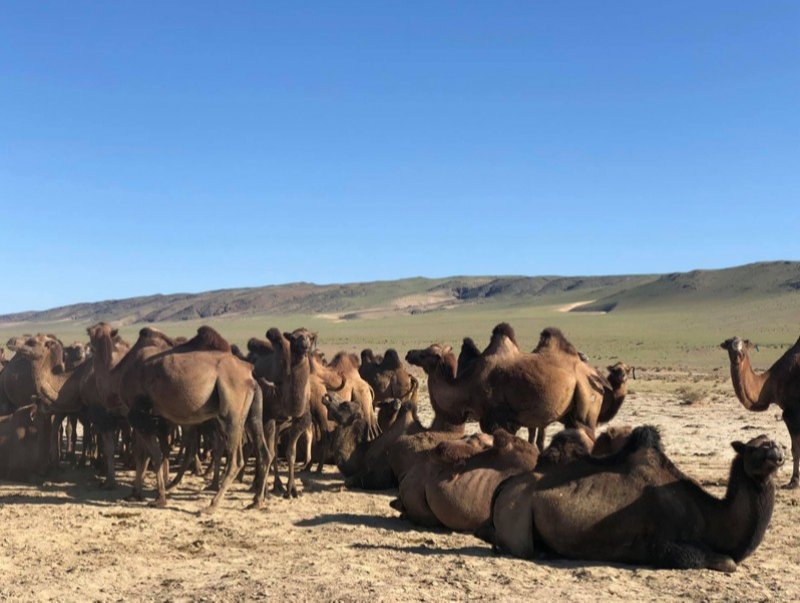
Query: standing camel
[[780, 385]]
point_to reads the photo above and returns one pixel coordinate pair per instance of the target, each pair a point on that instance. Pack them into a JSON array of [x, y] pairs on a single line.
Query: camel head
[[43, 350], [320, 357], [761, 457], [431, 358], [340, 411], [74, 354], [618, 374], [737, 348], [311, 335], [301, 341]]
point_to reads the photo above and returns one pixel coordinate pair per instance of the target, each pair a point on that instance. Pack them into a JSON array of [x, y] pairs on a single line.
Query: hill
[[356, 300]]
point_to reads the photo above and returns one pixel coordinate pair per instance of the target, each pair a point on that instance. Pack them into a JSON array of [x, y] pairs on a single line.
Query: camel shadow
[[425, 550], [371, 521]]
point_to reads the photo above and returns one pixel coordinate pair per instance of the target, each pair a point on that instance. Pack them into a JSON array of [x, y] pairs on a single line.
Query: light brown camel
[[341, 375], [116, 375], [16, 379], [779, 385], [508, 388], [637, 507], [190, 384], [389, 379], [454, 487]]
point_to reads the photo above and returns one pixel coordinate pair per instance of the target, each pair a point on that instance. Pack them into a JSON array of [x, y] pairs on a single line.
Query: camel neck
[[739, 521], [747, 383], [50, 381], [612, 402], [442, 424]]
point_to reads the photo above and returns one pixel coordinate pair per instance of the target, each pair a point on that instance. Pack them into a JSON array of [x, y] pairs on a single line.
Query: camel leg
[[791, 416], [108, 441], [271, 457], [189, 454], [153, 449], [233, 430], [325, 442], [141, 460], [674, 555], [540, 435], [255, 426], [299, 425], [216, 462]]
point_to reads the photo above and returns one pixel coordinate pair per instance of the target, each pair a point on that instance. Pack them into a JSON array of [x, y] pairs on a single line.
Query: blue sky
[[186, 146]]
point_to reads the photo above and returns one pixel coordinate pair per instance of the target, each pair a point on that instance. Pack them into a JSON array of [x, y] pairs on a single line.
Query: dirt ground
[[68, 540]]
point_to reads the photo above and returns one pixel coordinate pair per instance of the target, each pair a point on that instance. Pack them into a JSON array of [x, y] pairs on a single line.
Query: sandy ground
[[68, 540]]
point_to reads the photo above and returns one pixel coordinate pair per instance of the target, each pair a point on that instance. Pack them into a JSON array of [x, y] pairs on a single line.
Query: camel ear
[[114, 332], [739, 447], [287, 335]]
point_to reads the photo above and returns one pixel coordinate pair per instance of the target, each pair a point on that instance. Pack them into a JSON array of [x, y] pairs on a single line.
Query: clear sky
[[184, 146]]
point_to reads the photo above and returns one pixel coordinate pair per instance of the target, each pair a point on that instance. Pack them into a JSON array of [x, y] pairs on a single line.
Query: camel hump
[[553, 339], [391, 360], [206, 340], [504, 330], [151, 333], [260, 347]]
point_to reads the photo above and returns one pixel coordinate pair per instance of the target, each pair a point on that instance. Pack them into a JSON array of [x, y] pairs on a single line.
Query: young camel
[[637, 507], [779, 385]]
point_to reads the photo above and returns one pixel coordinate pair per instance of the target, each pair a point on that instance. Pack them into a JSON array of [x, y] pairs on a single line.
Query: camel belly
[[462, 502]]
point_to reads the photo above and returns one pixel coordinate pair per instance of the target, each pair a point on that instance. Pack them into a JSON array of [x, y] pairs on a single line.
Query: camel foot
[[211, 488], [278, 490], [723, 563], [159, 503], [209, 510], [291, 493], [257, 504], [793, 484], [135, 497]]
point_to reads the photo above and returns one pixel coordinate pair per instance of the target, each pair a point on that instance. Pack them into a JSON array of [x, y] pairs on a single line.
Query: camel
[[118, 380], [454, 487], [288, 400], [17, 386], [364, 462], [614, 396], [190, 384], [637, 507], [23, 442], [388, 378], [508, 388], [780, 385], [341, 374]]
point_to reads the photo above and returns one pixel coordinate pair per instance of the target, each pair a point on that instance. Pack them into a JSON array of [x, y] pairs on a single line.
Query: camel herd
[[611, 495]]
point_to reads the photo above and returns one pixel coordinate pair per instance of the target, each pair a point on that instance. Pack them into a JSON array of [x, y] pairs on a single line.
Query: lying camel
[[454, 487], [780, 385], [637, 507], [24, 442]]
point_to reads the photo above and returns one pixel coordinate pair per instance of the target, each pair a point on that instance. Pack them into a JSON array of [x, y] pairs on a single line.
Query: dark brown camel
[[637, 507], [779, 385], [454, 486]]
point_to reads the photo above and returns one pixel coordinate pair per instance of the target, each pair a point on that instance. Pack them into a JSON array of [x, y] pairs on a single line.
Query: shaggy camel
[[508, 388], [190, 384], [363, 462], [24, 442], [780, 385], [341, 375], [388, 378], [117, 378], [637, 507], [454, 487], [288, 401], [17, 386]]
